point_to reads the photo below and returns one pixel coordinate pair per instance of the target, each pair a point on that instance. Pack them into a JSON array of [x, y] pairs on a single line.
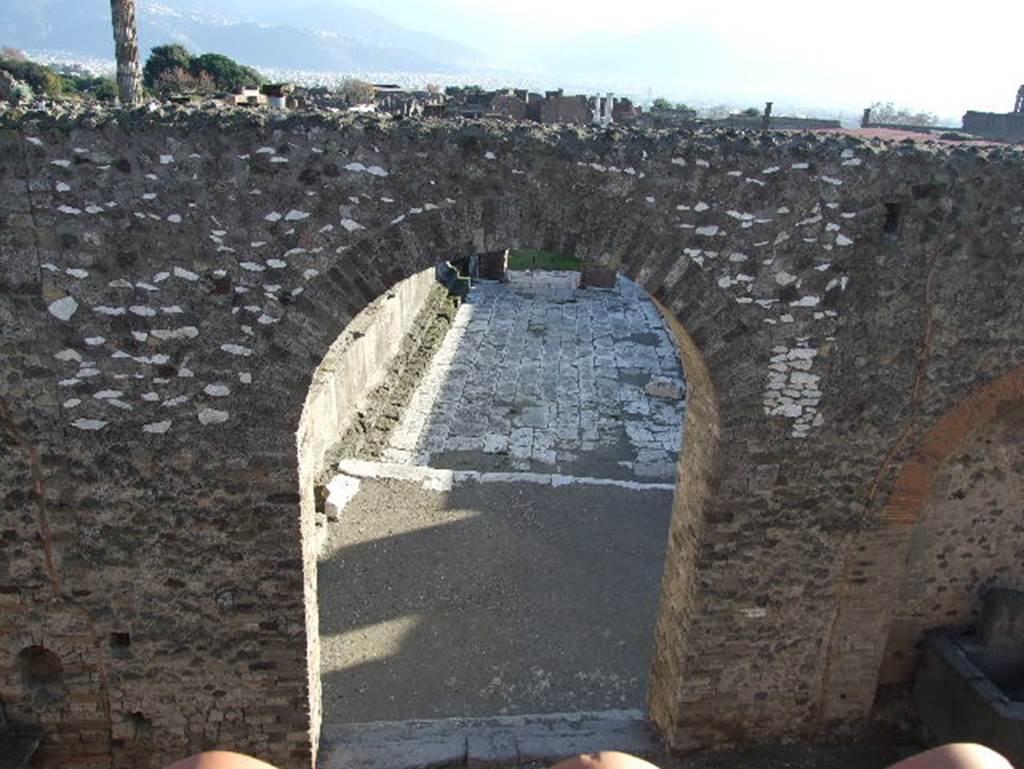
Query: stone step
[[476, 742]]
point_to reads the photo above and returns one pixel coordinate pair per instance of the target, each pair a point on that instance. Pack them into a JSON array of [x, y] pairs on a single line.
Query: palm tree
[[126, 45]]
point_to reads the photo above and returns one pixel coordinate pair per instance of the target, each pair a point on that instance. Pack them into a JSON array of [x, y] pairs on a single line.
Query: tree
[[12, 54], [661, 103], [227, 73], [126, 47], [178, 80], [356, 91], [751, 112], [163, 58], [886, 112]]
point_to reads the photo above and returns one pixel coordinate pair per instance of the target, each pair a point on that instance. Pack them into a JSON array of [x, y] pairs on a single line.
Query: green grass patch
[[535, 259]]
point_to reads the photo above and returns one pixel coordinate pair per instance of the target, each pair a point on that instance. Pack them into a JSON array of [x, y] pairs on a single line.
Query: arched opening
[[498, 547], [967, 539], [948, 535], [42, 676]]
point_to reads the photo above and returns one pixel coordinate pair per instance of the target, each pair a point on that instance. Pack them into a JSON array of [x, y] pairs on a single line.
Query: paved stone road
[[536, 375]]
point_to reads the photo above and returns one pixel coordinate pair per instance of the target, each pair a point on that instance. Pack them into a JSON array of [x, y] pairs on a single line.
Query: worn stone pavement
[[537, 375], [525, 580]]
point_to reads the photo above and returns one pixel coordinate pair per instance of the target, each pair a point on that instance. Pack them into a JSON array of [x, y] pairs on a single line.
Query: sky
[[939, 57]]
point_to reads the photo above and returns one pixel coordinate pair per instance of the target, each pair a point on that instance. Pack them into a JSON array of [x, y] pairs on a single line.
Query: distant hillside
[[342, 38]]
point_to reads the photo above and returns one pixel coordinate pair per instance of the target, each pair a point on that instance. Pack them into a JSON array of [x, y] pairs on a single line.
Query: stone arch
[[913, 484], [655, 268], [132, 353]]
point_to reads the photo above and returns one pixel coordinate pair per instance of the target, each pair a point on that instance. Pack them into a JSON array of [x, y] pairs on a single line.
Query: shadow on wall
[[490, 599]]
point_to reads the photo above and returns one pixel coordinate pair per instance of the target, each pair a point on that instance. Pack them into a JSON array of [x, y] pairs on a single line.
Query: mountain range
[[341, 38]]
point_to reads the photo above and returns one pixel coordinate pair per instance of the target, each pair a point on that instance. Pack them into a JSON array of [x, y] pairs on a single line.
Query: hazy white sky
[[944, 57]]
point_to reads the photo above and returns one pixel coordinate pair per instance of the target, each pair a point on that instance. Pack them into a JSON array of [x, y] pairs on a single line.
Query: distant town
[[173, 76]]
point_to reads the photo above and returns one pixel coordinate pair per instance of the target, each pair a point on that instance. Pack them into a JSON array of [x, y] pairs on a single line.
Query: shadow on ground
[[489, 599]]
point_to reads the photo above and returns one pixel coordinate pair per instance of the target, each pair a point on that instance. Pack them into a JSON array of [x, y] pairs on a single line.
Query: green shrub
[[40, 78], [99, 88]]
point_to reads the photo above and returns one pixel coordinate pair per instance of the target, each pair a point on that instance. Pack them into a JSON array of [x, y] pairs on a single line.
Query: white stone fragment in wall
[[490, 155], [806, 301], [95, 341], [89, 424], [166, 159], [212, 416], [63, 308], [150, 397], [800, 166], [61, 163], [266, 151], [142, 311], [217, 390], [278, 159], [245, 377], [252, 266], [174, 218], [351, 225], [63, 187], [842, 240], [708, 230], [296, 216], [185, 332], [701, 206], [832, 180], [743, 217], [71, 210], [181, 272], [276, 264], [273, 216], [70, 403], [236, 349], [770, 170], [702, 163], [853, 162], [157, 428], [68, 355], [172, 402]]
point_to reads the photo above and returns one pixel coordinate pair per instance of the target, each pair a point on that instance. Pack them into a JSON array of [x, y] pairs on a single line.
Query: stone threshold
[[444, 480], [493, 741]]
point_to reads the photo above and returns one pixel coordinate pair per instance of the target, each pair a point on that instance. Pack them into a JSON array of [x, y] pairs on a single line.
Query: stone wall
[[355, 365], [1008, 127], [846, 311]]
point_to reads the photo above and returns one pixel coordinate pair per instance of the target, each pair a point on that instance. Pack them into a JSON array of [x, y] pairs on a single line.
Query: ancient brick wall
[[169, 285], [968, 538]]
